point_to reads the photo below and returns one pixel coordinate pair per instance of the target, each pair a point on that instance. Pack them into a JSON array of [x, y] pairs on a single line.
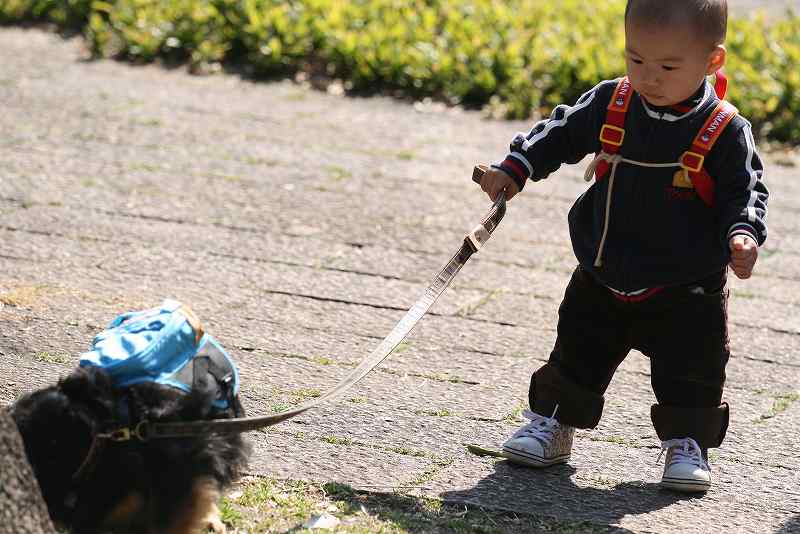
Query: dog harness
[[612, 137], [166, 345]]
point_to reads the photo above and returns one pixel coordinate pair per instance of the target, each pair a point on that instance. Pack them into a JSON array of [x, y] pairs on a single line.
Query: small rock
[[336, 88], [321, 521]]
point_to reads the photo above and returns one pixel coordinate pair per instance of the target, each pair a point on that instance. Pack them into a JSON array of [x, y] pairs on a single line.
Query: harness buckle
[[612, 135], [477, 237], [120, 434], [193, 321], [125, 433], [692, 161], [140, 431]]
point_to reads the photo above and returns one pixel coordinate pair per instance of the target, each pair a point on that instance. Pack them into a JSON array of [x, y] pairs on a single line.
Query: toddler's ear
[[716, 60]]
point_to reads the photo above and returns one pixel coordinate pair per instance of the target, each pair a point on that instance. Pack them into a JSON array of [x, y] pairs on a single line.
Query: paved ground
[[300, 226], [774, 7]]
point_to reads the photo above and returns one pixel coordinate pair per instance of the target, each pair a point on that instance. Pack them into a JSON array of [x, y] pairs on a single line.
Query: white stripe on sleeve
[[561, 122]]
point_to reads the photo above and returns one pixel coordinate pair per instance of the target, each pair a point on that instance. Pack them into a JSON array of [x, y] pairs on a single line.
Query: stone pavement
[[300, 226]]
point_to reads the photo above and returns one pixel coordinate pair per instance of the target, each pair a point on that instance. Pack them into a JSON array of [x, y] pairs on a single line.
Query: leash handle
[[499, 205], [478, 171], [481, 233], [477, 174]]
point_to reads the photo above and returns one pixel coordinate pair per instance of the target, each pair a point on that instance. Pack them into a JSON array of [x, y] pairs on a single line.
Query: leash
[[473, 242]]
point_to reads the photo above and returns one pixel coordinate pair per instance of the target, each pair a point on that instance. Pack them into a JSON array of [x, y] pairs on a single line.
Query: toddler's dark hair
[[709, 18]]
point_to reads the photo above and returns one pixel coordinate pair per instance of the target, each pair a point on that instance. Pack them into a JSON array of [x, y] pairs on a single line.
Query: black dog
[[94, 484]]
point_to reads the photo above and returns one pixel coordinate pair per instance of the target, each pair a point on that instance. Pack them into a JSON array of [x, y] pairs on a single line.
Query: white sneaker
[[542, 442], [685, 469]]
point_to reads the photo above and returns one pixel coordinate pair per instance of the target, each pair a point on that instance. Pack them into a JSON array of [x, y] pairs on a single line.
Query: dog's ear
[[90, 386], [57, 437]]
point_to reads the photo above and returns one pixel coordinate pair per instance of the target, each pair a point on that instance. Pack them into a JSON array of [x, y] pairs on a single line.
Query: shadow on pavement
[[553, 492], [790, 526]]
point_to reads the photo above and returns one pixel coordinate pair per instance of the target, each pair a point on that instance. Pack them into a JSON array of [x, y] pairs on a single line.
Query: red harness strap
[[720, 84], [612, 135], [637, 298], [692, 160]]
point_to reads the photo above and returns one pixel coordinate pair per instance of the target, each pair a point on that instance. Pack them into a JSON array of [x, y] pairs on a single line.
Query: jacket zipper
[[635, 189]]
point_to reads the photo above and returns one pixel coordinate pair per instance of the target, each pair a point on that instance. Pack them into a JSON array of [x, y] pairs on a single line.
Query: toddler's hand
[[744, 252], [494, 181]]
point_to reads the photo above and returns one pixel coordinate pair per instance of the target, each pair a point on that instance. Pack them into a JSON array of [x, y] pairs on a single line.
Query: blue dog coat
[[166, 345]]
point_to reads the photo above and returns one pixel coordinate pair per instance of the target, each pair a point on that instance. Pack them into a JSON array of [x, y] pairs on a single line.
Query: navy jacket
[[659, 234]]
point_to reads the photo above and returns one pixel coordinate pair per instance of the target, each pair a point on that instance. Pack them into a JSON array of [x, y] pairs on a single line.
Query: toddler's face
[[666, 65]]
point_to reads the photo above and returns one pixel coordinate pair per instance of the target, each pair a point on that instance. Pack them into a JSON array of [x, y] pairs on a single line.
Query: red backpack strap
[[612, 134], [693, 159], [720, 84]]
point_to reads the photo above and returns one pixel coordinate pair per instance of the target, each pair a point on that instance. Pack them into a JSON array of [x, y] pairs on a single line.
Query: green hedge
[[519, 60]]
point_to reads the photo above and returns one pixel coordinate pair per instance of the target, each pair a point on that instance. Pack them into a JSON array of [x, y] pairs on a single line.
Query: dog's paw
[[214, 522]]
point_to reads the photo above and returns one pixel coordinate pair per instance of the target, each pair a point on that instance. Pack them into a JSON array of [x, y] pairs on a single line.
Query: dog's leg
[[201, 512], [214, 521], [124, 511]]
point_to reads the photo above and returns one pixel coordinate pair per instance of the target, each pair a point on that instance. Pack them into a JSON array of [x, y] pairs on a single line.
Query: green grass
[[430, 472], [230, 515], [436, 377], [403, 450], [303, 394], [147, 167], [254, 160], [471, 307], [408, 451], [24, 296], [295, 397], [436, 413], [218, 176], [49, 357], [334, 440], [322, 360], [279, 407], [261, 505], [337, 173], [617, 440], [401, 347], [516, 414], [781, 404], [147, 121]]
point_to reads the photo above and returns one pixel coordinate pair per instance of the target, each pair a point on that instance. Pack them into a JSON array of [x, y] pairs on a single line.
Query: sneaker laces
[[684, 450], [540, 428]]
